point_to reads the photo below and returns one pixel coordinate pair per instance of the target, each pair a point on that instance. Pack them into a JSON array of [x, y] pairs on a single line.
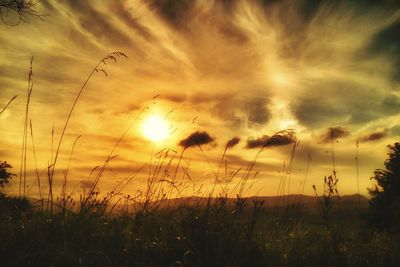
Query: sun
[[155, 128]]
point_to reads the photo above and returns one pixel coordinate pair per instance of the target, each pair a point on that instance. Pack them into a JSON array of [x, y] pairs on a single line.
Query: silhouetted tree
[[385, 201], [12, 12], [5, 175]]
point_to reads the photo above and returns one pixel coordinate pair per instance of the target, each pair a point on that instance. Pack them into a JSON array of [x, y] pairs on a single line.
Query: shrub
[[5, 175], [385, 201]]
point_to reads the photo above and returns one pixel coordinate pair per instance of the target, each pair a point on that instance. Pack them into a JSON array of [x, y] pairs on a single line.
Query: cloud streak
[[374, 136]]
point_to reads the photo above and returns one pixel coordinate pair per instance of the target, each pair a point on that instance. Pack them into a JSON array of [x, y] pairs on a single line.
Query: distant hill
[[274, 201]]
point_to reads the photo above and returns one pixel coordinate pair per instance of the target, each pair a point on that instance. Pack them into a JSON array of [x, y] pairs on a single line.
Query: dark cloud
[[321, 155], [177, 98], [387, 42], [346, 98], [231, 32], [97, 23], [279, 139], [236, 112], [309, 8], [312, 110], [257, 111], [183, 14], [196, 138], [374, 136], [391, 104], [229, 112], [233, 142], [333, 133], [294, 29], [343, 101], [174, 12], [125, 15]]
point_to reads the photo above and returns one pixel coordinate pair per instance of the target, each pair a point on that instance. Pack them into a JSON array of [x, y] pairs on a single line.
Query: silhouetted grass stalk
[[36, 167], [64, 186], [112, 56], [22, 172], [305, 176], [290, 167], [8, 104], [358, 176]]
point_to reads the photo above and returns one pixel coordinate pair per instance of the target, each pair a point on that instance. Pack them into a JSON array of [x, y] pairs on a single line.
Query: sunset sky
[[215, 69]]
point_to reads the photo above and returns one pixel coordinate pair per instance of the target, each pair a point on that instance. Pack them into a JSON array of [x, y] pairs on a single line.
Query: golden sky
[[223, 69]]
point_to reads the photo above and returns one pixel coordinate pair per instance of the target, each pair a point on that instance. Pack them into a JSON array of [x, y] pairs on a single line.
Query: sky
[[224, 76]]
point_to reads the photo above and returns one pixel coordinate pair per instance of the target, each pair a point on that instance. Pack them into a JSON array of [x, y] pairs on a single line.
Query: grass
[[212, 233], [159, 227]]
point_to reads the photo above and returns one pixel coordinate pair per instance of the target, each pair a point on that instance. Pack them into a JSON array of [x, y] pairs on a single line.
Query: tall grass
[[97, 68], [22, 172], [358, 173], [36, 165], [160, 181]]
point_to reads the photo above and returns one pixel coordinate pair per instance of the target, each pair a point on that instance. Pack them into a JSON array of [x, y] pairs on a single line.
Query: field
[[199, 232]]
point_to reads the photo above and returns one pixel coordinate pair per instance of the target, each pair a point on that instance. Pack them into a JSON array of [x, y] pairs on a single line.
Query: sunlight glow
[[155, 128], [280, 79]]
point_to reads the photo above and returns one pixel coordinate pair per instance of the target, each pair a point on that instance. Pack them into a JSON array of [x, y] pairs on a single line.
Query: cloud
[[364, 102], [395, 131], [173, 97], [125, 15], [97, 23], [250, 112], [174, 12], [387, 42], [233, 142], [196, 138], [279, 139], [257, 111], [333, 133], [127, 109], [374, 136]]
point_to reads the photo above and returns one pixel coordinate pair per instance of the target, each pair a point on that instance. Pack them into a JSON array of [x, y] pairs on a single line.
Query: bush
[[385, 201], [5, 175]]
